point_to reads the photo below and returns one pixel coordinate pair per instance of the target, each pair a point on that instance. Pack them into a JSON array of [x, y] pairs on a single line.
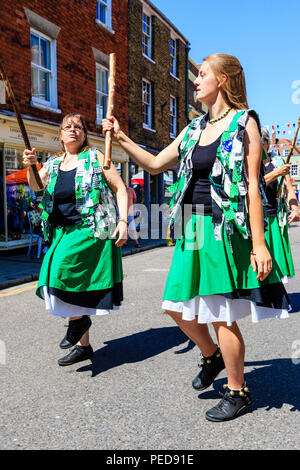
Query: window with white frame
[[294, 170], [103, 14], [147, 35], [101, 92], [147, 103], [10, 158], [43, 69], [173, 116], [173, 61]]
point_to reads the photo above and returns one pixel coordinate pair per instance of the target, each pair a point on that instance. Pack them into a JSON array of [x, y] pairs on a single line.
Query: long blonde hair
[[234, 89]]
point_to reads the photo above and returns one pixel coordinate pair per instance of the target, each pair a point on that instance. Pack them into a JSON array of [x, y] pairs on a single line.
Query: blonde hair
[[234, 89], [85, 146]]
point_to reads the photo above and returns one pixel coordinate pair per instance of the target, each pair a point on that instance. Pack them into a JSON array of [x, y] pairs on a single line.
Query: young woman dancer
[[226, 273]]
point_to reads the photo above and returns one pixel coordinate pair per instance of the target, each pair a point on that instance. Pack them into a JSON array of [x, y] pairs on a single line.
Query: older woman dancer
[[81, 274]]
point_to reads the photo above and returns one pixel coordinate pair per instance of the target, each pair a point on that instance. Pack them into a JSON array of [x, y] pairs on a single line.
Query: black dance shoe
[[234, 403], [76, 329], [211, 366], [78, 354]]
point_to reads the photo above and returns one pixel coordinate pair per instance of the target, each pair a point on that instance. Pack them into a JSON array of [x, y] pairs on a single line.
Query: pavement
[[16, 267]]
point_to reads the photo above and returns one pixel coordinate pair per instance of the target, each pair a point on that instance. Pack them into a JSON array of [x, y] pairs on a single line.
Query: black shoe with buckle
[[211, 366], [76, 330], [234, 403], [78, 354]]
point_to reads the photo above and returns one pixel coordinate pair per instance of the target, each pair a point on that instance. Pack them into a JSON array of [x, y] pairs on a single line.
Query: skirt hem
[[216, 308], [59, 308]]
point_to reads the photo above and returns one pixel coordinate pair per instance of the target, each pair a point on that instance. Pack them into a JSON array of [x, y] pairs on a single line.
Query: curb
[[35, 277], [143, 248], [16, 282]]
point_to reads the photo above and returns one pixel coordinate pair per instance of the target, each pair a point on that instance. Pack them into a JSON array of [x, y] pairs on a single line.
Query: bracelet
[[123, 220]]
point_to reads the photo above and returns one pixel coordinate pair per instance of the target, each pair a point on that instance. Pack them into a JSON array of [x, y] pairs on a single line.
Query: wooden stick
[[289, 157], [12, 98], [110, 109]]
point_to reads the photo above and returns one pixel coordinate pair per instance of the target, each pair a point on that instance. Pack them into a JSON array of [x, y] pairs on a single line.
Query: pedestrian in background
[[81, 274], [221, 269], [132, 228]]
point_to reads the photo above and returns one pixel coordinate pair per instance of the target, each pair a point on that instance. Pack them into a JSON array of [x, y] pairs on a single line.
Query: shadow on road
[[272, 384], [136, 348], [295, 302]]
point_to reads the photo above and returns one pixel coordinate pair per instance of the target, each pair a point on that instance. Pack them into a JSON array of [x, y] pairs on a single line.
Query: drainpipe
[[187, 50]]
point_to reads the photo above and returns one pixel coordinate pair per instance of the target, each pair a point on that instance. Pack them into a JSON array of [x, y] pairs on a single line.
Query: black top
[[64, 206], [198, 192], [271, 193], [65, 213]]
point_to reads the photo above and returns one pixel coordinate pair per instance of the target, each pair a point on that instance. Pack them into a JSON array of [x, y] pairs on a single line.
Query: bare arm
[[166, 159], [116, 184], [281, 171], [292, 200], [261, 260], [30, 158]]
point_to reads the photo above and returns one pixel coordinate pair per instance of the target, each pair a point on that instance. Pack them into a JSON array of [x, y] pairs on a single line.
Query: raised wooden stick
[[12, 98], [110, 109], [289, 157]]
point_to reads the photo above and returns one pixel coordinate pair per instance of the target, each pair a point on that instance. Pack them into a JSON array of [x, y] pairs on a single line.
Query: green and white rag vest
[[228, 176], [94, 199]]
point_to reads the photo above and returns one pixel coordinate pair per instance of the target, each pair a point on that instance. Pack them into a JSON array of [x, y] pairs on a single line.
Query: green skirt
[[203, 266], [77, 263], [279, 244]]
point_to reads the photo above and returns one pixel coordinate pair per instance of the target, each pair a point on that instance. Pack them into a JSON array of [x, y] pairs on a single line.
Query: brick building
[[56, 57], [157, 96]]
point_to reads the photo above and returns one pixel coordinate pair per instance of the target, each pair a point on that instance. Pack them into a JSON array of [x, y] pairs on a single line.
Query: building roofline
[[193, 62], [150, 4]]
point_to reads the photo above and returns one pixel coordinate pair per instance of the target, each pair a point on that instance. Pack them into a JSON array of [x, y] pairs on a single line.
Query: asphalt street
[[137, 394]]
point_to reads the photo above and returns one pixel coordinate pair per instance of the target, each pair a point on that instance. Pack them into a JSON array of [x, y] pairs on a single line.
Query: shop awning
[[138, 178], [19, 177]]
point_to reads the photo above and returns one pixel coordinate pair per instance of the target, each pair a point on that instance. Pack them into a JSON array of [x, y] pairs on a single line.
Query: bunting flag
[[276, 146]]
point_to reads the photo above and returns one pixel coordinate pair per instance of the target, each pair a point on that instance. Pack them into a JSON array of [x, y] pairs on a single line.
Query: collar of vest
[[195, 128]]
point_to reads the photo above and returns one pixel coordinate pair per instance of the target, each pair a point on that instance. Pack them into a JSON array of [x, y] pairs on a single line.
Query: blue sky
[[264, 35]]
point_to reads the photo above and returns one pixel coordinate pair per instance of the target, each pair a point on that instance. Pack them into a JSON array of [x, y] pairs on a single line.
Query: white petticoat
[[59, 308], [217, 308]]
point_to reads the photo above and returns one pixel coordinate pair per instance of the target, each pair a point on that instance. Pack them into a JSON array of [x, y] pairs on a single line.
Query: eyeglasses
[[75, 127]]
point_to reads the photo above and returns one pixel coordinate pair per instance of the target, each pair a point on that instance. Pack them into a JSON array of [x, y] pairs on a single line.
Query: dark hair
[[85, 144]]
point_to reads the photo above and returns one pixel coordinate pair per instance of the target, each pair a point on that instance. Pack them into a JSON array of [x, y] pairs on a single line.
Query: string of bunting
[[286, 131], [282, 128]]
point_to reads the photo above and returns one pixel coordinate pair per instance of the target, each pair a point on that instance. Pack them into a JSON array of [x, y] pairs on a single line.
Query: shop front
[[17, 200], [153, 193]]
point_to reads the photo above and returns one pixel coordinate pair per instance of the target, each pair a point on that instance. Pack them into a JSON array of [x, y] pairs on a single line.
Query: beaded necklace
[[212, 121]]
